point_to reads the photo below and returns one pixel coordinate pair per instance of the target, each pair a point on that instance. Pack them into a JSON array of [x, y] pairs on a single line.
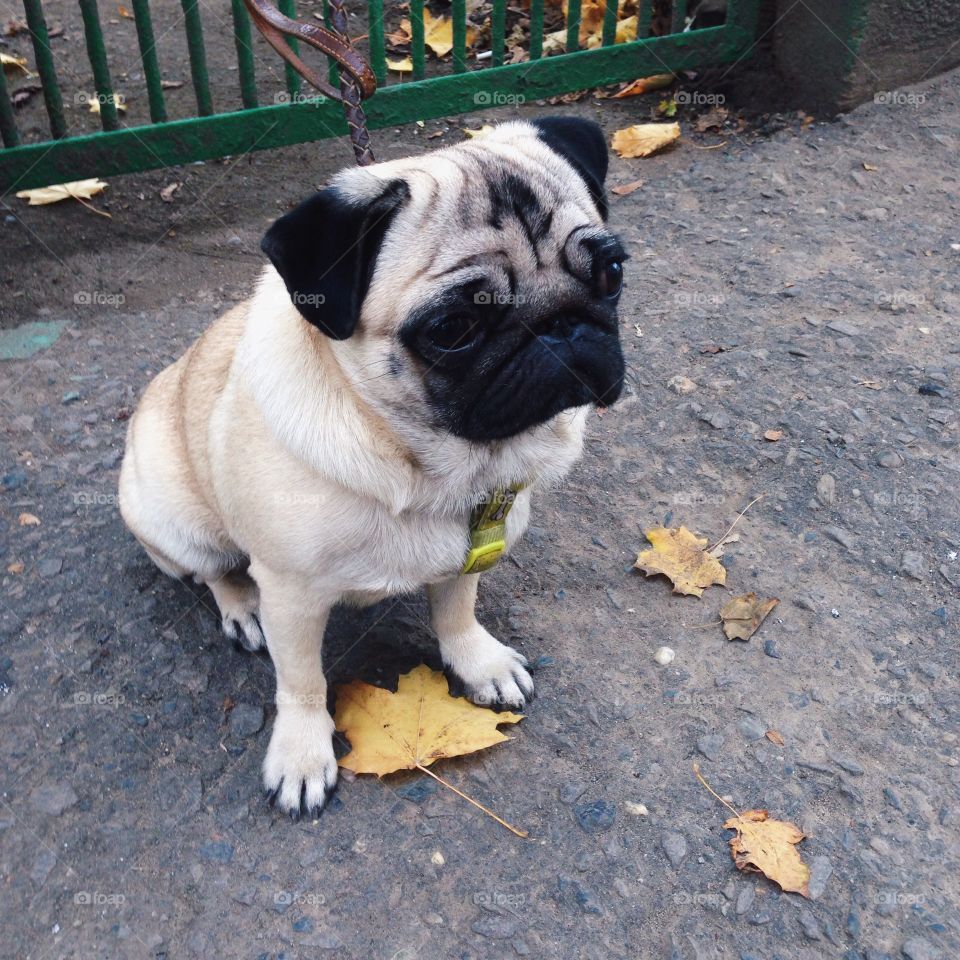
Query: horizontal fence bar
[[243, 41], [48, 74], [148, 57], [182, 141], [8, 126], [97, 55], [198, 56]]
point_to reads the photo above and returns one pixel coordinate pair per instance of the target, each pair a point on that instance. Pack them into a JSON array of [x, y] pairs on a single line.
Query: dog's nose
[[559, 326]]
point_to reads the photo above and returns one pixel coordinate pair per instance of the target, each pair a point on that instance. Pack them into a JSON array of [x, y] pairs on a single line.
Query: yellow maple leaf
[[742, 616], [13, 64], [765, 846], [77, 189], [769, 847], [680, 555], [414, 727], [404, 65], [438, 33], [642, 139]]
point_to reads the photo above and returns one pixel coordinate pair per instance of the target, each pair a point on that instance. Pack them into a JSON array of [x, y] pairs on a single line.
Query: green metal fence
[[297, 116]]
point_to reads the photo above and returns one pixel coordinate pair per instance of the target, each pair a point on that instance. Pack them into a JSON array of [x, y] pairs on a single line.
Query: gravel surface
[[807, 284]]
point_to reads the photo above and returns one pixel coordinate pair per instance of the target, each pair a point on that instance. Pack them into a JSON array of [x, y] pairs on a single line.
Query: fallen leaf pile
[[414, 727], [681, 556]]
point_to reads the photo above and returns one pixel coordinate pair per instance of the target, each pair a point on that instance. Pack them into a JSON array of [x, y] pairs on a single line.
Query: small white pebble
[[637, 809], [437, 859], [664, 656]]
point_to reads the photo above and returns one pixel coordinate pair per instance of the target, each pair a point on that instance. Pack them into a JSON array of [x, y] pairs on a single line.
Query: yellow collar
[[488, 529]]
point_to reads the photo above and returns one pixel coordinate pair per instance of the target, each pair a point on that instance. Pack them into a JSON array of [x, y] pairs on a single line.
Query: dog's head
[[475, 287]]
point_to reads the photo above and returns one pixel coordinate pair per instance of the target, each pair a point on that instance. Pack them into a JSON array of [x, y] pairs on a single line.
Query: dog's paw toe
[[498, 680], [245, 632], [300, 769]]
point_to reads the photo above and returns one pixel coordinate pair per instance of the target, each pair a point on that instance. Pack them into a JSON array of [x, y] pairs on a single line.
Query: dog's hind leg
[[238, 598]]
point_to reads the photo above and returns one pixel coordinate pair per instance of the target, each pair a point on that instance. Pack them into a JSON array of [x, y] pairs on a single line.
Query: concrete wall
[[838, 53]]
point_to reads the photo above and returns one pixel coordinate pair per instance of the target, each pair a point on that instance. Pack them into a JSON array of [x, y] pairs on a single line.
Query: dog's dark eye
[[610, 280], [453, 333]]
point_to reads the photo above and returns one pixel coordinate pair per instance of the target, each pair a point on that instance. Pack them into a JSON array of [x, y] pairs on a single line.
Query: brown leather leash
[[357, 81]]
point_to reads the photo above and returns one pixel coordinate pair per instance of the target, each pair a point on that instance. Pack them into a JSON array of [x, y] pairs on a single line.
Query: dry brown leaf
[[642, 139], [28, 520], [12, 64], [401, 36], [171, 84], [715, 117], [625, 189], [742, 616], [774, 736], [76, 190], [870, 167], [414, 727], [12, 27], [680, 556], [769, 847], [404, 65], [15, 567], [645, 85], [124, 12], [773, 435]]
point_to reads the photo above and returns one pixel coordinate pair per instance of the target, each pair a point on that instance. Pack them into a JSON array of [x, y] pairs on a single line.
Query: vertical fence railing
[[243, 41], [8, 126], [198, 57], [97, 54], [148, 57], [48, 75]]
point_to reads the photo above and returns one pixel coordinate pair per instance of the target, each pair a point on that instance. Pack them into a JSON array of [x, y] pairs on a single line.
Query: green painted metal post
[[244, 44], [289, 9], [417, 42], [8, 126], [48, 75], [378, 51], [97, 54], [148, 56], [459, 36], [198, 56], [610, 22], [536, 29], [573, 25], [498, 31], [644, 18]]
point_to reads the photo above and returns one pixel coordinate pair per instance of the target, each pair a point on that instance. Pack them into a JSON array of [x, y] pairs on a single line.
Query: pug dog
[[430, 335]]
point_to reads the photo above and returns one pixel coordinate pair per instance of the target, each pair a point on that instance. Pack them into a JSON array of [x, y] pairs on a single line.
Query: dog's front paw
[[488, 672], [300, 769]]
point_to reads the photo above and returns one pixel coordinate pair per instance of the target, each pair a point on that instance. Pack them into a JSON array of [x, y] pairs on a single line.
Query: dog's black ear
[[582, 144], [326, 250]]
